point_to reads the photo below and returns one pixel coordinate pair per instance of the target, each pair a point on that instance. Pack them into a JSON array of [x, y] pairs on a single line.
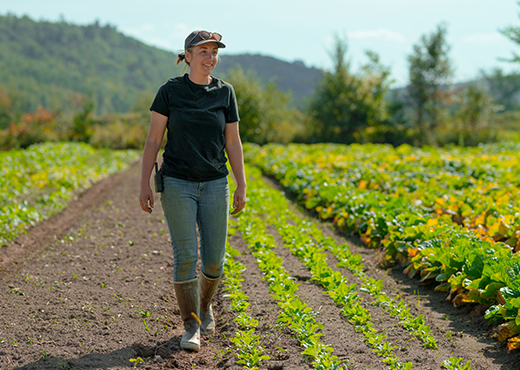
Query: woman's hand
[[236, 159], [146, 198], [151, 148], [239, 200]]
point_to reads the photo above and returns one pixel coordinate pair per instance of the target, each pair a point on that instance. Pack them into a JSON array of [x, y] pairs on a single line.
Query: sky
[[305, 30]]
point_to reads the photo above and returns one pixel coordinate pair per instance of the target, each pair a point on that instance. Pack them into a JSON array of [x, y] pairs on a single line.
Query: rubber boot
[[208, 287], [187, 293]]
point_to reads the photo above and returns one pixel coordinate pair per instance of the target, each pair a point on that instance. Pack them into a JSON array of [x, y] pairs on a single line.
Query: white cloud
[[381, 34]]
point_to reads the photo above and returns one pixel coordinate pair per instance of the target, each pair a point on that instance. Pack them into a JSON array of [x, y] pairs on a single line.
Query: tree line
[[44, 63], [347, 106], [358, 106]]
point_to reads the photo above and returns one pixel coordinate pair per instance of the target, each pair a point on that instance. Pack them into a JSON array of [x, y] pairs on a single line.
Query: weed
[[122, 299], [17, 291], [88, 307], [146, 326], [136, 361], [46, 356], [145, 313]]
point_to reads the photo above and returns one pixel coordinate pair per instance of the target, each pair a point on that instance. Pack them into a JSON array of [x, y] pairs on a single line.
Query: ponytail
[[181, 57]]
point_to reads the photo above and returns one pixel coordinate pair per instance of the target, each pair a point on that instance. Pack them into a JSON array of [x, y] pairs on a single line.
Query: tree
[[265, 113], [430, 79], [473, 117], [345, 103], [5, 109], [81, 129], [504, 88], [513, 34]]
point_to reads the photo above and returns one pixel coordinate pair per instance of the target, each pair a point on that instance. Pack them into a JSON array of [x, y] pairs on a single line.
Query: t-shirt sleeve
[[232, 111], [161, 102]]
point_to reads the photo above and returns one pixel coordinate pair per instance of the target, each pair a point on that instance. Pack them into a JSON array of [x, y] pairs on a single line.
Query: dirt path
[[91, 288]]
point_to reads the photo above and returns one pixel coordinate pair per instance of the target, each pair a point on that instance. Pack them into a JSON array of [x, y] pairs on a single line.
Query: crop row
[[307, 242], [248, 347], [295, 314], [39, 181], [476, 190], [413, 222]]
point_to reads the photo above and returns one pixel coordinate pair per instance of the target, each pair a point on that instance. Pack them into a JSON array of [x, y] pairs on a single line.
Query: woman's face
[[203, 58]]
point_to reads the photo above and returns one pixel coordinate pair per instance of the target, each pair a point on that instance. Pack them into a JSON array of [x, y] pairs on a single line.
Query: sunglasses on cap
[[205, 35]]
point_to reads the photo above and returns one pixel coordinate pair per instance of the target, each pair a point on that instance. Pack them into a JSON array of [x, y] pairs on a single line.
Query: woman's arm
[[236, 159], [151, 148]]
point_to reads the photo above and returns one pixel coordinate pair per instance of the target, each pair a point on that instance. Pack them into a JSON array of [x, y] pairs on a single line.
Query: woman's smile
[[202, 59]]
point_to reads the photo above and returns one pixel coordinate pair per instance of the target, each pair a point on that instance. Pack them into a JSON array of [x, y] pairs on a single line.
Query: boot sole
[[190, 347]]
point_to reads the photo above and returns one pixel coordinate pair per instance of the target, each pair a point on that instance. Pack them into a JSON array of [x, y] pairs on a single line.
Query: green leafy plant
[[249, 350], [456, 363], [248, 345], [136, 361], [52, 173], [295, 314], [446, 215], [46, 356], [17, 291]]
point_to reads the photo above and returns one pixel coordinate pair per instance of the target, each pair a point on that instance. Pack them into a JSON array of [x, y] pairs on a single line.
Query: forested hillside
[[42, 63], [289, 77]]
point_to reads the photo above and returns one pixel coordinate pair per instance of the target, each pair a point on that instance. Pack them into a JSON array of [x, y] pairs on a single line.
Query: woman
[[200, 112]]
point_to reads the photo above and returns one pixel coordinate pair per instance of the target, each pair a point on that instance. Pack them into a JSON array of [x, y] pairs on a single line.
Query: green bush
[[124, 132], [265, 113], [345, 104]]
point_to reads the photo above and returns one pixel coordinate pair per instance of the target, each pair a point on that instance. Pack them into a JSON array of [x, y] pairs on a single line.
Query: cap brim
[[219, 44]]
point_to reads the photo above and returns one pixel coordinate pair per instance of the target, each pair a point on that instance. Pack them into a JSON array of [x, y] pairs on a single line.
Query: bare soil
[[91, 288]]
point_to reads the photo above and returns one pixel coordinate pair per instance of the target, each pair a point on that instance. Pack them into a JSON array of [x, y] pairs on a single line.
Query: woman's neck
[[200, 79]]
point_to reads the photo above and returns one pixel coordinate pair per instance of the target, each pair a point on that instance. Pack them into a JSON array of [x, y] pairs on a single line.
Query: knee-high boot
[[187, 293], [208, 287]]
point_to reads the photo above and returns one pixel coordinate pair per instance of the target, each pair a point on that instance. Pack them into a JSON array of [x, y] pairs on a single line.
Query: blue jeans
[[186, 205]]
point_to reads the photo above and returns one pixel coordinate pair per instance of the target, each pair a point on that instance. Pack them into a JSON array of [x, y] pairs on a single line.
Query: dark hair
[[182, 57]]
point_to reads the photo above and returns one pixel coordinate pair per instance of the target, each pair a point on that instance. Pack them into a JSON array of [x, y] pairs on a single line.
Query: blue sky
[[304, 30]]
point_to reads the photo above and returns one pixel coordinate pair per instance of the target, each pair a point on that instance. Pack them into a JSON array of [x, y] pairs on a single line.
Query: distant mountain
[[289, 77], [44, 62]]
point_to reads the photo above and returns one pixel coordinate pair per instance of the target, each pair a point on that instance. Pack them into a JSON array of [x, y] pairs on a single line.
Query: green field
[[447, 215], [39, 181]]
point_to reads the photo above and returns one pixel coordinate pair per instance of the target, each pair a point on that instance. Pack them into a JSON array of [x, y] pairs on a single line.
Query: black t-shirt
[[197, 117]]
